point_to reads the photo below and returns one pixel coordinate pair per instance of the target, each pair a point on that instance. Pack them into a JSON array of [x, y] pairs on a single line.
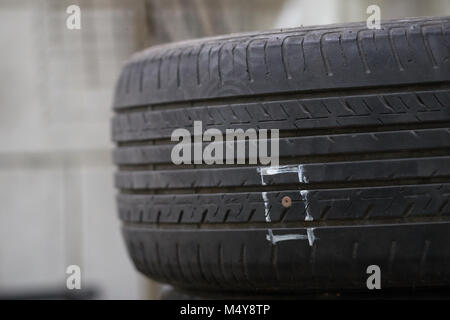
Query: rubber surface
[[364, 153], [243, 260]]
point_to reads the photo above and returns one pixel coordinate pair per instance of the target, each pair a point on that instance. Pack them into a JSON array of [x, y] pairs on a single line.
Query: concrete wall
[[56, 178]]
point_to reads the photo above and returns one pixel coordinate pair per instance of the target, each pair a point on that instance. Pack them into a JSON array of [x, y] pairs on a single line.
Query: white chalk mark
[[270, 171], [311, 236], [301, 174], [286, 237], [308, 217], [299, 169], [267, 213], [304, 195], [266, 206]]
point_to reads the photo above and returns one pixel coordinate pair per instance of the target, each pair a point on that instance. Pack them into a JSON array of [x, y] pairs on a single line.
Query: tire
[[364, 152]]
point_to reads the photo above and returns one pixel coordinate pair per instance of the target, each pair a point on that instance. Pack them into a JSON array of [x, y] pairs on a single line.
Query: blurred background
[[57, 205]]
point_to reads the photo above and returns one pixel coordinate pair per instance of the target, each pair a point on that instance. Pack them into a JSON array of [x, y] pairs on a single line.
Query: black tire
[[363, 114]]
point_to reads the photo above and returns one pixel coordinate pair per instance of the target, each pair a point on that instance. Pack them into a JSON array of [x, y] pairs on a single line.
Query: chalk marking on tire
[[286, 237], [309, 231], [273, 170], [270, 235]]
